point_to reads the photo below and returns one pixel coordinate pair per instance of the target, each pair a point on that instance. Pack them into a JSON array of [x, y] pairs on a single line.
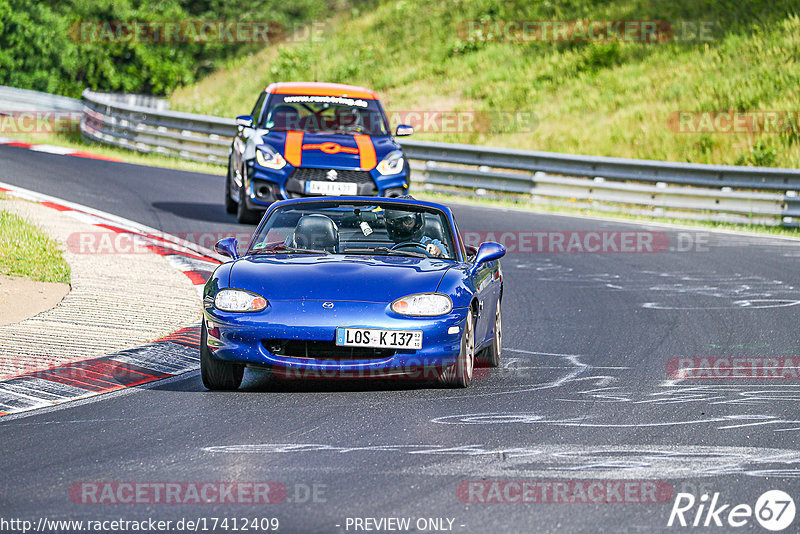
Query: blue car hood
[[346, 154], [337, 278]]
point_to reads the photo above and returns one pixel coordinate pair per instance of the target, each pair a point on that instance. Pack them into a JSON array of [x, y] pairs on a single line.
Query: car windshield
[[375, 228], [324, 114]]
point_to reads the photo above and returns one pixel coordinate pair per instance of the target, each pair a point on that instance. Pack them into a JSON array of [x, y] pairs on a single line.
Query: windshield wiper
[[280, 248], [386, 250]]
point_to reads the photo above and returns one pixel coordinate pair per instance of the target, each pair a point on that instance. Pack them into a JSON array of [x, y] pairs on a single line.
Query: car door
[[486, 287]]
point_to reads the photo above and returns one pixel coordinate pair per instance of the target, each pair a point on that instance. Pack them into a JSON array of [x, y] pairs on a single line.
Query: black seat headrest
[[316, 231]]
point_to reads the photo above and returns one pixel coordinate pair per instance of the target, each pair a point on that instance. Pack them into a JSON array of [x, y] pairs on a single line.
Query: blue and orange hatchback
[[306, 139]]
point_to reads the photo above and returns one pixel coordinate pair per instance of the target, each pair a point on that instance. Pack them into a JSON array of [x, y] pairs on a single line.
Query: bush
[[41, 49]]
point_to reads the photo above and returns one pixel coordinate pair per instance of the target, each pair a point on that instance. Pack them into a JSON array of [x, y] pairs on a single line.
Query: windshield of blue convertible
[[356, 228]]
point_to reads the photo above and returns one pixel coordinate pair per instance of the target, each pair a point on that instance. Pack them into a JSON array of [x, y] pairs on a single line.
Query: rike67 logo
[[774, 510]]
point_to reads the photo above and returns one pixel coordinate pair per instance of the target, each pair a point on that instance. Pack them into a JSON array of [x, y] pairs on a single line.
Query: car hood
[[337, 278], [334, 151]]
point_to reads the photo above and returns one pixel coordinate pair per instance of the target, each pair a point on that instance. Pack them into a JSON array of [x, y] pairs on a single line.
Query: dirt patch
[[21, 298]]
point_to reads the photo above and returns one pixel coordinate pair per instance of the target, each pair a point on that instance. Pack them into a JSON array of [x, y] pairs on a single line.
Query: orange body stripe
[[331, 148], [294, 148], [367, 152]]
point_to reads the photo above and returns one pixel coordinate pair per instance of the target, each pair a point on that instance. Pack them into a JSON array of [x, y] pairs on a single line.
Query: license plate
[[331, 188], [379, 339]]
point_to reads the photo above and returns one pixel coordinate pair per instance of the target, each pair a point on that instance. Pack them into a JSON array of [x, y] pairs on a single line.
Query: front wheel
[[459, 375], [217, 375], [230, 204], [243, 214]]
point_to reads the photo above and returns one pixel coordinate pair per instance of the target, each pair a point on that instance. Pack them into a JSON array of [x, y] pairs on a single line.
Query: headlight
[[238, 300], [423, 305], [269, 159], [392, 164]]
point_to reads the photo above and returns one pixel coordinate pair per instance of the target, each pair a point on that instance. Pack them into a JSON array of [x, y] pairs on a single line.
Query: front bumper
[[250, 338], [266, 186]]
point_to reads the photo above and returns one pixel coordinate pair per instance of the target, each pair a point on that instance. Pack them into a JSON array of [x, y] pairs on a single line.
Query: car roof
[[320, 89]]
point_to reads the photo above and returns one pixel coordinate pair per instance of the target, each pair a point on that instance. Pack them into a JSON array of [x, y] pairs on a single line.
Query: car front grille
[[323, 350], [346, 176]]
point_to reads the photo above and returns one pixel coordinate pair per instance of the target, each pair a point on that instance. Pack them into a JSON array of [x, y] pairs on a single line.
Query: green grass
[[29, 253], [609, 99]]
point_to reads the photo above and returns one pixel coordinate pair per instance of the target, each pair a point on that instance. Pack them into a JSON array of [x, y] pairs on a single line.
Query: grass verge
[[28, 252]]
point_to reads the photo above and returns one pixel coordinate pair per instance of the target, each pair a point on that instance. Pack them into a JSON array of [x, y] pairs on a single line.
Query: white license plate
[[379, 339], [331, 188]]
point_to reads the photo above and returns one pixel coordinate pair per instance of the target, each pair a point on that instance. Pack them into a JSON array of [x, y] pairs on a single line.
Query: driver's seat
[[433, 228]]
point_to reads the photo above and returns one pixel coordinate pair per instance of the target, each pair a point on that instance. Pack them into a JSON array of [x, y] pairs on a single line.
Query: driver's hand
[[434, 250]]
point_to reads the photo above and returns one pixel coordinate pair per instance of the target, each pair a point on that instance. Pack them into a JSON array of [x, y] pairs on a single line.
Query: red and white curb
[[170, 356], [52, 149]]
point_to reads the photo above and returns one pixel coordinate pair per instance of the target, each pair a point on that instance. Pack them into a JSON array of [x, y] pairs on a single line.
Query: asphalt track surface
[[583, 393]]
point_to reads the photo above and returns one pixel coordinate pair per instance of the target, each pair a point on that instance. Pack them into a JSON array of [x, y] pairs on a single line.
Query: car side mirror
[[245, 121], [228, 247], [404, 130], [487, 252]]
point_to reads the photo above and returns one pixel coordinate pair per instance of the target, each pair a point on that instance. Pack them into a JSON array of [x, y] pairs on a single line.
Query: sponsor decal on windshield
[[341, 100]]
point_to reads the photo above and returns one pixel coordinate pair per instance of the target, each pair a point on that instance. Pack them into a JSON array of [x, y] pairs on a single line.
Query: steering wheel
[[418, 247]]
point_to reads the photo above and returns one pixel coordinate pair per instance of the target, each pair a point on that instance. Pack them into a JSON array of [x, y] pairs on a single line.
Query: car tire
[[217, 375], [491, 356], [243, 214], [459, 375], [230, 204]]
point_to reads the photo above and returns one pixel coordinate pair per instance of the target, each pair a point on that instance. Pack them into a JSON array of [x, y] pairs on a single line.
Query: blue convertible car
[[353, 287]]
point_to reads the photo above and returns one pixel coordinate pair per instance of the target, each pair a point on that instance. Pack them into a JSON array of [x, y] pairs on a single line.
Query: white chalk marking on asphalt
[[559, 460]]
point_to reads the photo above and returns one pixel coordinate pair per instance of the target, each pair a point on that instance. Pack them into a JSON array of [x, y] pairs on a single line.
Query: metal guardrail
[[13, 99], [760, 195], [189, 136]]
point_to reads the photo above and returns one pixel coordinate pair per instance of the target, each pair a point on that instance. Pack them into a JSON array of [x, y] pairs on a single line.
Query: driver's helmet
[[403, 225], [346, 117]]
